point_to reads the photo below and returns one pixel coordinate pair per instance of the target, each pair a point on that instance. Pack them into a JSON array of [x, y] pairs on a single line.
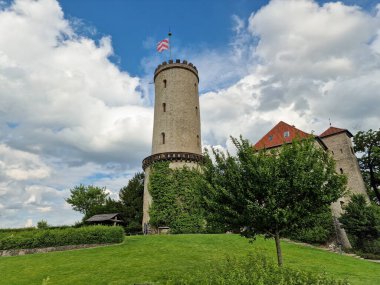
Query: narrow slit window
[[341, 150], [196, 110], [163, 138], [164, 107], [164, 83], [341, 170], [198, 142]]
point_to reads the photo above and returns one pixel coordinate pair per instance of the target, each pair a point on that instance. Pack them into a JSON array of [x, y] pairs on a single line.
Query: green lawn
[[152, 258]]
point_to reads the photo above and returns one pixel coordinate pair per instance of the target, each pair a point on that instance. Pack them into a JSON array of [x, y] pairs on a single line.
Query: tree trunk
[[278, 248]]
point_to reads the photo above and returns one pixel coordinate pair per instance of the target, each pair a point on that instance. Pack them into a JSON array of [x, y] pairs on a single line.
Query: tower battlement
[[176, 64]]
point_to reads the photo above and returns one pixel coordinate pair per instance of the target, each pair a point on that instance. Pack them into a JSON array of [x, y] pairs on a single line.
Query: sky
[[76, 92]]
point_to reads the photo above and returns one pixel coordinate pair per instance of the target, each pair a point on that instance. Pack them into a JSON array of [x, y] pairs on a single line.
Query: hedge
[[58, 237]]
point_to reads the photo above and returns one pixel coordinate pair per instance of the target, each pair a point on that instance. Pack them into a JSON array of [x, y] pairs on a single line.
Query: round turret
[[177, 125]]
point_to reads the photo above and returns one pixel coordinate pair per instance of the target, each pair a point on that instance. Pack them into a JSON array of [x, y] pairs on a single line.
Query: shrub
[[63, 236], [254, 270], [362, 223]]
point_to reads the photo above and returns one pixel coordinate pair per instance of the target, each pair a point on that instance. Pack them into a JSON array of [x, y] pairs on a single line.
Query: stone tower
[[177, 127], [339, 145]]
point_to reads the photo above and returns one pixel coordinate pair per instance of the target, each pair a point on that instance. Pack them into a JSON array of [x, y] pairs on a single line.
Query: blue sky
[[77, 100], [135, 26]]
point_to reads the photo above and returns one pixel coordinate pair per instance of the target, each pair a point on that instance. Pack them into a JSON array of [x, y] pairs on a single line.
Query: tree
[[368, 144], [87, 199], [361, 221], [42, 225], [275, 190], [131, 197]]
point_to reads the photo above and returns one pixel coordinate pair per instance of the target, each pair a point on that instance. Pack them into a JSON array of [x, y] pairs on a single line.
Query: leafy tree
[[361, 221], [271, 192], [87, 199], [42, 224], [368, 144], [131, 198]]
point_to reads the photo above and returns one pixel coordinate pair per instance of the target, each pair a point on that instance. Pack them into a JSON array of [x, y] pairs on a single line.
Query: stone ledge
[[172, 156]]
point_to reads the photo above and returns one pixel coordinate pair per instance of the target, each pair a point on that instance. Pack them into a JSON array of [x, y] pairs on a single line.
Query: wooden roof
[[104, 217]]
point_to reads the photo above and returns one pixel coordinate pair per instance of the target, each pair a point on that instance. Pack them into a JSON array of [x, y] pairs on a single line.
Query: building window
[[286, 134], [196, 110], [164, 83], [163, 138], [164, 107], [198, 142], [341, 150], [270, 138], [341, 170]]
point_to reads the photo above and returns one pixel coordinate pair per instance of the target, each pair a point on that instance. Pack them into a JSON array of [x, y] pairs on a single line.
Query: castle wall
[[340, 147]]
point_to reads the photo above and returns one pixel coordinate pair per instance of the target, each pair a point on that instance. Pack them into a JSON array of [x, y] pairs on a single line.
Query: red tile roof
[[276, 136], [334, 131]]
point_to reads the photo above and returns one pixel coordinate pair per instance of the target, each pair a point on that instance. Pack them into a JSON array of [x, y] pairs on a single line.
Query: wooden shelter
[[106, 219]]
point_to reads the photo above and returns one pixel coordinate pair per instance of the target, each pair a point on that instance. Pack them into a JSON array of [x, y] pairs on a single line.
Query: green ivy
[[176, 198]]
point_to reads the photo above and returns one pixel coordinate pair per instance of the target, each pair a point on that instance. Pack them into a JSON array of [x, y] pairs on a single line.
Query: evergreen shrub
[[254, 270], [60, 237]]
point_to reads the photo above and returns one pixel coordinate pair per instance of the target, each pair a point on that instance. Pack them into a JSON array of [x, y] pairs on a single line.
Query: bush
[[362, 223], [254, 270], [63, 236]]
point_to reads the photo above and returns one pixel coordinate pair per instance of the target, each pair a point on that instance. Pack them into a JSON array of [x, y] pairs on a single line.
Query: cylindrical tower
[[177, 127]]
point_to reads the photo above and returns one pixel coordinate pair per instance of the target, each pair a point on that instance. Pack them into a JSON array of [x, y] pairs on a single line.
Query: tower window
[[164, 83], [286, 134], [196, 110], [198, 143], [341, 151], [164, 107], [341, 170], [163, 138]]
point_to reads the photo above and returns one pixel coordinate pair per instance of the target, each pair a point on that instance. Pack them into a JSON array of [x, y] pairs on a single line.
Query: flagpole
[[170, 44]]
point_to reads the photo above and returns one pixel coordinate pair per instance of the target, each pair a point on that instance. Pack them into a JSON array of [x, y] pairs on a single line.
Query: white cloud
[[29, 223], [69, 115], [312, 63]]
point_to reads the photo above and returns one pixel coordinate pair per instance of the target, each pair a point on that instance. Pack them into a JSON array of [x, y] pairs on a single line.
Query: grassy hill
[[153, 258]]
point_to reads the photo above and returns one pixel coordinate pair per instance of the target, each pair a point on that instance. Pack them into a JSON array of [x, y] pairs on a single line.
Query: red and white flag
[[163, 45]]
